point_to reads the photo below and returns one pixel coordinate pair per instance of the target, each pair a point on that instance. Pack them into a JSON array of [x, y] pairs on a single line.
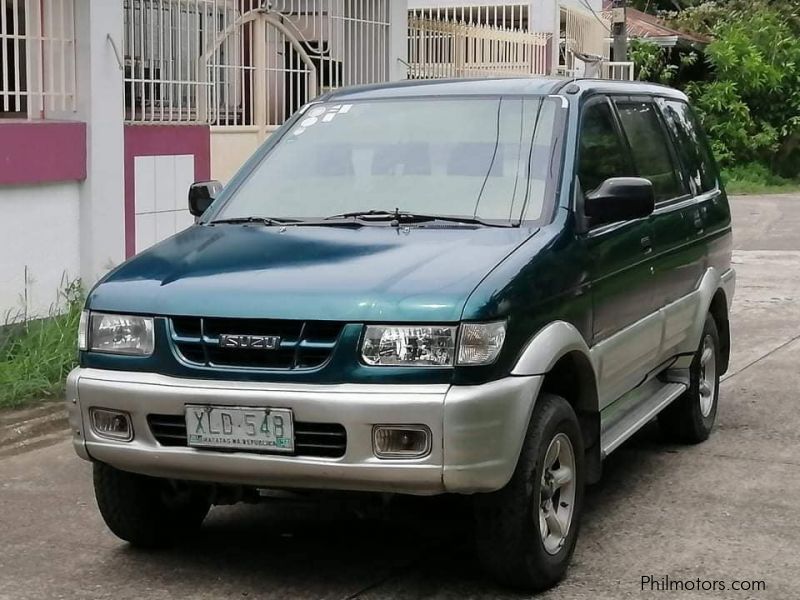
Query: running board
[[626, 416]]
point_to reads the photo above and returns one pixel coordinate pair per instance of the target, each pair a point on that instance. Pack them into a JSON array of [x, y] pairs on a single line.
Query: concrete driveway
[[722, 511]]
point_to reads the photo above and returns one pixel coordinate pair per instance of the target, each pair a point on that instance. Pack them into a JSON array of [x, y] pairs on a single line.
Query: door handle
[[647, 244], [698, 220]]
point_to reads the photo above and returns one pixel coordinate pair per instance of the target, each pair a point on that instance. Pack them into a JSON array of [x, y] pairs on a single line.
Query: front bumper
[[477, 431]]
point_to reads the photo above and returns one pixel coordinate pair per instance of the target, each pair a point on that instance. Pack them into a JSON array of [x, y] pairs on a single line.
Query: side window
[[692, 145], [602, 152], [650, 148]]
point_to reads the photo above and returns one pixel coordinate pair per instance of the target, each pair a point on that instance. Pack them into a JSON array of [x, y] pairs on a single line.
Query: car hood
[[372, 273]]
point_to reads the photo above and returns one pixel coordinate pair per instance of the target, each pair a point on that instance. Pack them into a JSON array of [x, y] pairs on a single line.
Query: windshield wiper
[[268, 221], [398, 216]]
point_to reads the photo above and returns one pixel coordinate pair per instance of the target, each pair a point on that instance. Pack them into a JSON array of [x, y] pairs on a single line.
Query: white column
[[398, 39], [100, 99], [545, 17]]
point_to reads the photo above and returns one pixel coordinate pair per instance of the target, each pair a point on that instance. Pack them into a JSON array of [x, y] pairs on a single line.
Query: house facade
[[561, 31], [110, 109]]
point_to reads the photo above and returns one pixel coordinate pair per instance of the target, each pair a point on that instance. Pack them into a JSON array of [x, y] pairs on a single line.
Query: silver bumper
[[477, 431]]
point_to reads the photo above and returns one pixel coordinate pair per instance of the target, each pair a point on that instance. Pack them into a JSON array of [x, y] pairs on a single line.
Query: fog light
[[405, 441], [111, 424]]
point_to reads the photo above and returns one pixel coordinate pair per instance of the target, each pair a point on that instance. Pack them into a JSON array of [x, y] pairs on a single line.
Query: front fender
[[548, 346]]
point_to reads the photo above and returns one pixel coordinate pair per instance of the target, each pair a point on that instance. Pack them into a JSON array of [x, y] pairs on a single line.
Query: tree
[[656, 6], [660, 65], [749, 99], [751, 107]]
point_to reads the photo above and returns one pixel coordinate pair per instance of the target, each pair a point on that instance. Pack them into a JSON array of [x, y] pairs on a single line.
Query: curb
[[29, 428]]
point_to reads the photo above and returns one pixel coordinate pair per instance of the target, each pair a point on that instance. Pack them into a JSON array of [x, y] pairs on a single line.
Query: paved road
[[724, 510]]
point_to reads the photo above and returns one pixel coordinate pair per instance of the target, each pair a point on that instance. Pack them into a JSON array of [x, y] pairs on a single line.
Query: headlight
[[409, 346], [432, 346], [480, 343], [120, 334]]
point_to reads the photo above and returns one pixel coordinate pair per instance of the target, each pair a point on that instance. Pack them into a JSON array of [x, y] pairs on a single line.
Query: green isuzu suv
[[470, 287]]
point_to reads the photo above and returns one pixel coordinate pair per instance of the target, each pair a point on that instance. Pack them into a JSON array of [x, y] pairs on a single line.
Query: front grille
[[303, 344], [328, 440]]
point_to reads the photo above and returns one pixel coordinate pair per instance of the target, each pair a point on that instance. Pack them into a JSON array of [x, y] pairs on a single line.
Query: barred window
[[37, 58]]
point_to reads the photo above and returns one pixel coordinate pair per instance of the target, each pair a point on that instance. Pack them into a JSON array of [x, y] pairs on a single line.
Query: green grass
[[755, 178], [36, 355]]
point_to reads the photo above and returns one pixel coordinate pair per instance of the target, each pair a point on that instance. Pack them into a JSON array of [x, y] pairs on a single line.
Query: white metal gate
[[244, 66], [439, 48], [261, 74], [582, 33], [37, 58], [247, 63]]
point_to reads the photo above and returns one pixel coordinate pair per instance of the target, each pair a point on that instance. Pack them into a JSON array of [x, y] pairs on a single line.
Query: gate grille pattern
[[440, 48], [37, 58], [247, 62], [582, 33]]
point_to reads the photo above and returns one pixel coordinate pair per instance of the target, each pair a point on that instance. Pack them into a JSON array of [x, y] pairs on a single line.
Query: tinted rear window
[[692, 146], [650, 148]]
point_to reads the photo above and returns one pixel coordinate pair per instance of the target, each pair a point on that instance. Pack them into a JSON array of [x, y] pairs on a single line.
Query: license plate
[[240, 428]]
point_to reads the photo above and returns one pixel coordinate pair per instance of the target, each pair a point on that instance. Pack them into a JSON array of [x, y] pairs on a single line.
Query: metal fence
[[163, 41], [37, 58], [512, 15], [235, 63], [582, 33], [445, 48], [622, 70]]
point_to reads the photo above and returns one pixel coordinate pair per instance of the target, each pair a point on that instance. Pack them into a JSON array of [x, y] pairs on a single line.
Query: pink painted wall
[[42, 152], [161, 140]]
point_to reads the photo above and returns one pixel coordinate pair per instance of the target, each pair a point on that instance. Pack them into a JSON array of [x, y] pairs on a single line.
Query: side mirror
[[620, 199], [201, 195]]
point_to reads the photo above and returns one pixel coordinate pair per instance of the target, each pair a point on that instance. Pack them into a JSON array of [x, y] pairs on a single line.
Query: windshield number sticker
[[323, 114]]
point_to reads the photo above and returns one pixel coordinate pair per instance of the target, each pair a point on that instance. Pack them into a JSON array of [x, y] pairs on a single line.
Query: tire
[[691, 417], [513, 543], [147, 511]]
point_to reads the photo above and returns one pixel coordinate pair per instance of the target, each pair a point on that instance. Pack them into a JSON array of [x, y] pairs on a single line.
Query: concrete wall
[[230, 147], [61, 183], [161, 161], [42, 165], [40, 246], [100, 106]]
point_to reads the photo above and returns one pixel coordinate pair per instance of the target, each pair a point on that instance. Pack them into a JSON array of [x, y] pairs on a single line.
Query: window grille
[[37, 58], [236, 63]]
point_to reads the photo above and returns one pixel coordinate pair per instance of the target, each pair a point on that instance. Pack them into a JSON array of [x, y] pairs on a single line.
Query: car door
[[620, 259], [678, 249], [711, 214]]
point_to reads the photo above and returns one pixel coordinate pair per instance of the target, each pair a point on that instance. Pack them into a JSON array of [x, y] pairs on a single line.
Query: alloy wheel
[[708, 376], [557, 494]]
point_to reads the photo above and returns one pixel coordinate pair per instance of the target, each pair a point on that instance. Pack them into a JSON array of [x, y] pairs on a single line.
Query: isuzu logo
[[251, 342]]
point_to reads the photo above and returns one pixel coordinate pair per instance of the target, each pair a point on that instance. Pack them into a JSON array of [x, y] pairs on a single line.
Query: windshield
[[486, 158]]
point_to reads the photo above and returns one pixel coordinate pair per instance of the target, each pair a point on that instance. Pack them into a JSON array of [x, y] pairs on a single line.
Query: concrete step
[[33, 427]]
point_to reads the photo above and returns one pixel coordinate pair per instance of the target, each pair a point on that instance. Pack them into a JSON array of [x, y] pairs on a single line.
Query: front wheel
[[148, 511], [526, 532]]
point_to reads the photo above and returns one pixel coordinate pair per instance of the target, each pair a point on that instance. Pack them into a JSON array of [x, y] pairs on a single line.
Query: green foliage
[[701, 18], [751, 106], [654, 6], [736, 135], [755, 178], [656, 64], [36, 355]]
